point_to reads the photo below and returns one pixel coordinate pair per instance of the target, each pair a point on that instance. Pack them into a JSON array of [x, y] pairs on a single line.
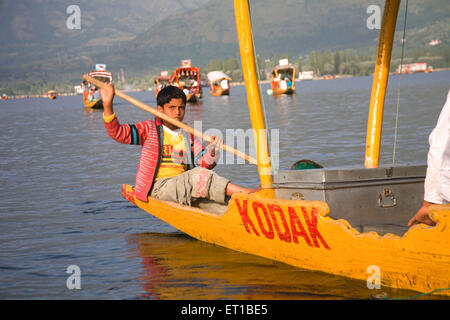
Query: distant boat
[[78, 89], [283, 78], [219, 83], [306, 75], [328, 77], [4, 97], [187, 78], [91, 95], [51, 94], [161, 81], [413, 68]]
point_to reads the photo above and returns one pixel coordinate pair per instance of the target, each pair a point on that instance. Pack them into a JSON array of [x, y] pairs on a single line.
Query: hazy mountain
[[139, 35], [288, 26], [34, 34]]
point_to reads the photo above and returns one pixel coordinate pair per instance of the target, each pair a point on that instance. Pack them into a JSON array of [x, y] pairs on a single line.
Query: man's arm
[[439, 145], [422, 215]]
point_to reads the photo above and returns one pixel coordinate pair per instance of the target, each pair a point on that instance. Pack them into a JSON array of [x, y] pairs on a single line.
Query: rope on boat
[[398, 87]]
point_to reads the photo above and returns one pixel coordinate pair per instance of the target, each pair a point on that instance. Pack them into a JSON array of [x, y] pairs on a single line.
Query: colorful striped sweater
[[149, 134]]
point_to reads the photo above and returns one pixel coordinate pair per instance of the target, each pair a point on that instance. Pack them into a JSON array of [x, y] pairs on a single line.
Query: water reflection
[[88, 111], [175, 266]]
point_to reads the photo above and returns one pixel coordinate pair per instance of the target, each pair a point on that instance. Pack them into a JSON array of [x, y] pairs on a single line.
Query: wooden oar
[[177, 123]]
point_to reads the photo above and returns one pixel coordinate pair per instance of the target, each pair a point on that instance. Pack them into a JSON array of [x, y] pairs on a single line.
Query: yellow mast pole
[[380, 79], [244, 32]]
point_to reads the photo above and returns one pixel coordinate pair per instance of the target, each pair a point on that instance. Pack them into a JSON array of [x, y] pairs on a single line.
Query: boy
[[168, 158]]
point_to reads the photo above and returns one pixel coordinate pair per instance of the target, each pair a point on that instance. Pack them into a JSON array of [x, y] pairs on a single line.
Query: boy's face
[[173, 109]]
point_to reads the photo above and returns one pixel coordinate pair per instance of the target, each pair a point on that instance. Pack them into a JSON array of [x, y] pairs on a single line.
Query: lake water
[[61, 201]]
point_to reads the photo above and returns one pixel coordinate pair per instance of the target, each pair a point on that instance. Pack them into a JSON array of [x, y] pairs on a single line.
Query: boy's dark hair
[[168, 93]]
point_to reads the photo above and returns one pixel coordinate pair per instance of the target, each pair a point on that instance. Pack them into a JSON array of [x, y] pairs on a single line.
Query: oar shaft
[[177, 123]]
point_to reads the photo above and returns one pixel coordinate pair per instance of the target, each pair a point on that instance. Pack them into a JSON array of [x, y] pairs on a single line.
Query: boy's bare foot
[[232, 189]]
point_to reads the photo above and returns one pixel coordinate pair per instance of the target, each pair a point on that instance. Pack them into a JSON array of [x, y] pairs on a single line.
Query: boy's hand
[[214, 145], [107, 97]]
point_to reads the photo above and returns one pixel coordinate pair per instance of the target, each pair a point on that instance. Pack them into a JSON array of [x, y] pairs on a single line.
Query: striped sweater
[[149, 134]]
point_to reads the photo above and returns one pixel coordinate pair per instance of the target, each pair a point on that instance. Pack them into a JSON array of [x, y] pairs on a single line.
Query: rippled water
[[61, 201]]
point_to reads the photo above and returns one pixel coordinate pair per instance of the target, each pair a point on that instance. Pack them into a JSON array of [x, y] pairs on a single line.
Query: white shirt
[[174, 133], [437, 180]]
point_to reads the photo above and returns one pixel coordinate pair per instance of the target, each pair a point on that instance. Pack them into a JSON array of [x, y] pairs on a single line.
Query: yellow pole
[[244, 32], [380, 79]]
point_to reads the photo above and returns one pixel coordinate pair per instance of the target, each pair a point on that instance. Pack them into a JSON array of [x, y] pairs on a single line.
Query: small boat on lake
[[283, 78], [161, 81], [4, 97], [187, 78], [412, 68], [306, 75], [91, 95], [219, 83], [51, 94]]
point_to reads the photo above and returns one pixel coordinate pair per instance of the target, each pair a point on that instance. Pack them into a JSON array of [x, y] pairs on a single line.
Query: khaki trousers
[[190, 186]]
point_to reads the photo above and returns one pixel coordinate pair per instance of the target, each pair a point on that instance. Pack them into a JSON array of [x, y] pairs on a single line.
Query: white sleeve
[[437, 181]]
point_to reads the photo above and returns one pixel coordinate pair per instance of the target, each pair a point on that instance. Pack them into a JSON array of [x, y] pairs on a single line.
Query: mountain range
[[143, 36]]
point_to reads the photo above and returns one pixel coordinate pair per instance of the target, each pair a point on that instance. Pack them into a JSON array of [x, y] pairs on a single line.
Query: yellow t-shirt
[[173, 160]]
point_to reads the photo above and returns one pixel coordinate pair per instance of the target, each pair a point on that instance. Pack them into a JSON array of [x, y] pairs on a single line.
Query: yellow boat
[[91, 96], [302, 233], [187, 78], [283, 78], [51, 94], [161, 81], [219, 83]]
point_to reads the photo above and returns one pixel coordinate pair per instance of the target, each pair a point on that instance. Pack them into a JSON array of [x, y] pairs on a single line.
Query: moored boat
[[91, 95], [187, 78], [219, 83], [4, 97], [283, 78], [277, 223]]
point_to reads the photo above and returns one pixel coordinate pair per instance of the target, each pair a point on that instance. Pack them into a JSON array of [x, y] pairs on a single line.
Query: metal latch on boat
[[387, 199]]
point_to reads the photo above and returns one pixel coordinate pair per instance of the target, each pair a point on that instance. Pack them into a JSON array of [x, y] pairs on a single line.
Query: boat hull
[[280, 91], [300, 233], [220, 92], [97, 104], [192, 97]]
